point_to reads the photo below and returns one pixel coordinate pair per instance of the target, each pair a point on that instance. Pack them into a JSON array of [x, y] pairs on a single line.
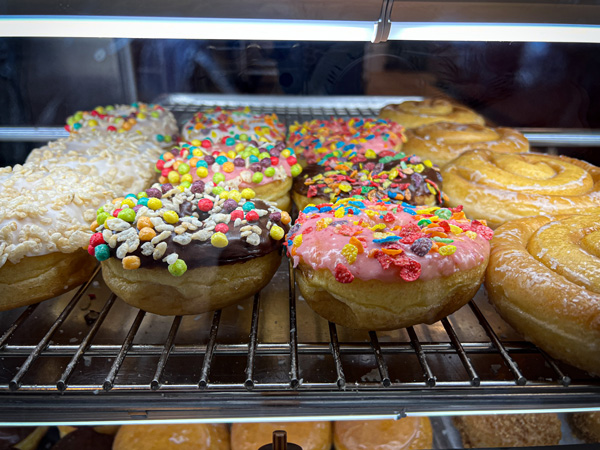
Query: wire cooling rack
[[87, 357]]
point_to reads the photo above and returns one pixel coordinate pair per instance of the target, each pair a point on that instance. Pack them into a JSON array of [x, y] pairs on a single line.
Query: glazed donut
[[500, 187], [409, 433], [413, 114], [219, 247], [239, 123], [44, 227], [394, 176], [441, 142], [560, 256], [125, 161], [198, 436], [320, 139], [586, 426], [308, 435], [265, 168], [153, 122], [509, 430], [381, 266]]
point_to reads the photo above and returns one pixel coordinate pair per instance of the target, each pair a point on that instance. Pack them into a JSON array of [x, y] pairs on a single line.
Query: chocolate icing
[[85, 438], [10, 436], [417, 184]]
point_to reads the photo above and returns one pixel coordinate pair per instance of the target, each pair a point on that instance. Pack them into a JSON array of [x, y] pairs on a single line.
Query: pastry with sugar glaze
[[413, 114]]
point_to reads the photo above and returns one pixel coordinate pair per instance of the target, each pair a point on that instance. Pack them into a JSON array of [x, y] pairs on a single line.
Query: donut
[[181, 251], [409, 433], [87, 438], [238, 123], [413, 114], [198, 436], [308, 435], [44, 229], [387, 176], [543, 279], [381, 266], [153, 122], [319, 139], [586, 426], [22, 438], [126, 161], [441, 142], [509, 430], [500, 187], [266, 168]]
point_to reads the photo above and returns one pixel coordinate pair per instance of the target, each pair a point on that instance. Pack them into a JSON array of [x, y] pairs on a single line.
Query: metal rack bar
[[15, 383], [430, 379], [135, 326], [335, 350], [155, 383], [381, 365], [16, 324], [475, 380], [210, 349], [294, 378], [249, 383], [563, 379], [61, 385], [512, 365]]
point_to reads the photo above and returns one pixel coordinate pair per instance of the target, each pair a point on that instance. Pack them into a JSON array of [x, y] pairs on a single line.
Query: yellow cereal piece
[[147, 234], [224, 195], [378, 227], [378, 235], [131, 262], [339, 213], [456, 230], [248, 194], [171, 217], [428, 163], [154, 203], [419, 168], [298, 241], [393, 174], [285, 218], [357, 244], [370, 213], [345, 187], [187, 177], [349, 252], [127, 202], [196, 143], [447, 250], [324, 223], [428, 210], [431, 189], [235, 195], [276, 232], [219, 240], [471, 234]]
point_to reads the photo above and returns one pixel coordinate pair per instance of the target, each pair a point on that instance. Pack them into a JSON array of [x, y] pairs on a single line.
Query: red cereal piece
[[347, 230], [343, 274], [205, 205], [388, 218], [237, 214], [445, 226], [312, 191], [96, 239], [252, 216], [484, 232], [458, 209], [91, 250], [308, 230], [222, 228], [116, 212]]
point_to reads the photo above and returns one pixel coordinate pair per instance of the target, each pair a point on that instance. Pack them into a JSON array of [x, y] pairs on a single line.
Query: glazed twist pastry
[[543, 278], [500, 187], [443, 141], [413, 114]]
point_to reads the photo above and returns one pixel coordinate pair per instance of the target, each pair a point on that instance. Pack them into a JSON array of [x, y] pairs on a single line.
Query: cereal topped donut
[[387, 176], [317, 139], [44, 227], [190, 250], [125, 161], [153, 122], [377, 266], [264, 167], [239, 123], [413, 114]]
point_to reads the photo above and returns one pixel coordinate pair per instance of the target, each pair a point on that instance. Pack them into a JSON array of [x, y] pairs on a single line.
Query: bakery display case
[[88, 358]]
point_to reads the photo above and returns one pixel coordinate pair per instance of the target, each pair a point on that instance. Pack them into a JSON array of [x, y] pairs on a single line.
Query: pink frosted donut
[[319, 139], [379, 266], [219, 123]]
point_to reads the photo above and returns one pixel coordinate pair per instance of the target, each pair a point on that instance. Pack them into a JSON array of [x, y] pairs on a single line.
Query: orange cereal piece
[[357, 244], [168, 156], [391, 251], [131, 262], [147, 234], [144, 222], [94, 225], [117, 200], [285, 218], [228, 167]]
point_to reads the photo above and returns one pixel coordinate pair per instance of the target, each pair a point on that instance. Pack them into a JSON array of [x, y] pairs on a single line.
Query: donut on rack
[[500, 187], [44, 229], [408, 433], [381, 266], [308, 435], [238, 123], [174, 251], [413, 114], [441, 142], [153, 122], [198, 436], [264, 167], [389, 175], [319, 139], [125, 161], [543, 279]]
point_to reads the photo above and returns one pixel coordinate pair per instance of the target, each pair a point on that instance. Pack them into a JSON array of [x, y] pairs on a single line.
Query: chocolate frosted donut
[[388, 176], [187, 251]]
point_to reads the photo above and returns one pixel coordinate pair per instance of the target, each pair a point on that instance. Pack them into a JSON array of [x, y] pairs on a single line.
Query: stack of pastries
[[394, 225]]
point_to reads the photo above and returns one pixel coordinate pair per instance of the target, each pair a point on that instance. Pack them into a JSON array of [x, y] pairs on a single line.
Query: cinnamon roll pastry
[[499, 187], [413, 114], [443, 141], [544, 279]]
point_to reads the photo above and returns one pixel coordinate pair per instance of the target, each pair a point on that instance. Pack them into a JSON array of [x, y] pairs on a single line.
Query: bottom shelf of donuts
[[87, 357]]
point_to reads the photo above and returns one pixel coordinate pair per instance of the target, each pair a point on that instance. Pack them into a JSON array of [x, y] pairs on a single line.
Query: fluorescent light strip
[[185, 28], [495, 32]]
